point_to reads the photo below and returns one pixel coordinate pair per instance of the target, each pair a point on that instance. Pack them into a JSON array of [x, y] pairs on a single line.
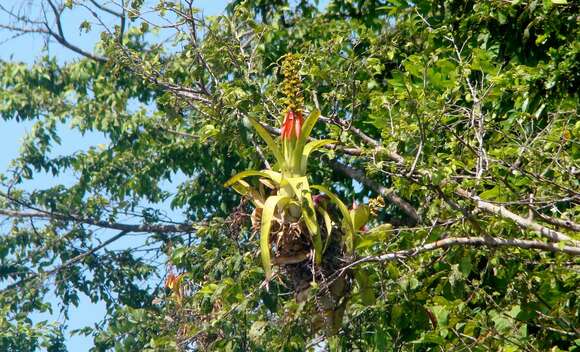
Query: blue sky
[[27, 49]]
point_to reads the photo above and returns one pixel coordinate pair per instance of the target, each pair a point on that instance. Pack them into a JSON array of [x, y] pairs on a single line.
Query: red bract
[[292, 125]]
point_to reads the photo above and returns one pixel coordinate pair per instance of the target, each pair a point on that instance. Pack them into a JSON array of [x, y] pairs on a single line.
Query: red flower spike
[[298, 124], [286, 128], [292, 125]]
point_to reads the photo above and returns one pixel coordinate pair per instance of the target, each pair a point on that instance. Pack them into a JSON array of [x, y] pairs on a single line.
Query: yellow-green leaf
[[272, 145], [309, 216], [360, 216], [297, 184], [346, 220], [267, 216], [309, 125], [276, 177], [242, 187], [309, 148], [327, 224]]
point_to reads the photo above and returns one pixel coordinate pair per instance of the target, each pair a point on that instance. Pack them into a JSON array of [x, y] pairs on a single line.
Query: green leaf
[[347, 224], [490, 194], [360, 216], [328, 226], [299, 185], [267, 216], [501, 323], [441, 315], [309, 217], [276, 177], [308, 126], [242, 187], [272, 145], [515, 311], [465, 264], [309, 148], [304, 135], [366, 292], [363, 242], [301, 189]]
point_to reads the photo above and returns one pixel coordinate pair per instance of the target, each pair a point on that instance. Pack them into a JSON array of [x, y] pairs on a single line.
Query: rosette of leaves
[[291, 200], [300, 226]]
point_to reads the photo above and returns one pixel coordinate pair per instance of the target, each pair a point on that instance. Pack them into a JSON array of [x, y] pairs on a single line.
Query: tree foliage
[[457, 120]]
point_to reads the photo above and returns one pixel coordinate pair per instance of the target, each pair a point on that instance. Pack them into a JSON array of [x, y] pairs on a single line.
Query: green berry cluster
[[291, 85]]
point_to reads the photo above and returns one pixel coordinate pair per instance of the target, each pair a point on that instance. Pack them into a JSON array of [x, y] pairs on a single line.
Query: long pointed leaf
[[360, 216], [241, 186], [244, 188], [309, 217], [272, 145], [309, 148], [267, 215], [276, 177], [297, 184], [346, 219], [327, 224], [304, 134], [309, 125]]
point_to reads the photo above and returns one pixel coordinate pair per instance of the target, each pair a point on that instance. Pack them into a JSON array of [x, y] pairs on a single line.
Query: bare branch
[[43, 27], [487, 241], [350, 127], [57, 13], [120, 15], [23, 30], [59, 35], [522, 222], [385, 192], [137, 228], [65, 265], [106, 9], [568, 224]]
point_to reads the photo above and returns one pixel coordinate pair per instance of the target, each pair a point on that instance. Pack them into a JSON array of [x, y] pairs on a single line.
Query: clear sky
[[27, 49]]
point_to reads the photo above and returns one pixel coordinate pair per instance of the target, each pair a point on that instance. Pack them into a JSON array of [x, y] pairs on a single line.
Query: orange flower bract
[[292, 125]]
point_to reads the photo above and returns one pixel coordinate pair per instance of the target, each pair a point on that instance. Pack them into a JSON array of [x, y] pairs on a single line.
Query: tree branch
[[522, 222], [65, 265], [487, 241], [568, 224], [138, 228], [106, 9], [385, 192]]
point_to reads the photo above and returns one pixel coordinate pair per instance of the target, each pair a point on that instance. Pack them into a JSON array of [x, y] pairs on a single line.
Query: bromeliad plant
[[291, 206]]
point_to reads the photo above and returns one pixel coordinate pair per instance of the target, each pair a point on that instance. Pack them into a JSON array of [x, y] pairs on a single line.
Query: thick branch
[[487, 241], [568, 224], [149, 228], [522, 222], [385, 192], [75, 48]]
